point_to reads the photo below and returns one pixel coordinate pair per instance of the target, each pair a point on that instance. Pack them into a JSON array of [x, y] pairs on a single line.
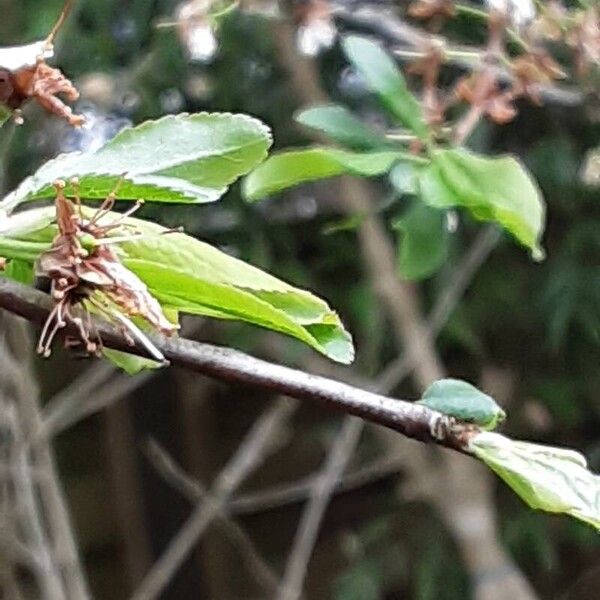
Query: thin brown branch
[[298, 491], [310, 522], [194, 491], [251, 453], [230, 365]]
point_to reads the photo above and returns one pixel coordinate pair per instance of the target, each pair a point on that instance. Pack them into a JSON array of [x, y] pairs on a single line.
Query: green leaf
[[342, 126], [194, 277], [463, 401], [182, 158], [131, 364], [385, 79], [492, 189], [188, 275], [19, 270], [552, 479], [286, 169], [424, 241]]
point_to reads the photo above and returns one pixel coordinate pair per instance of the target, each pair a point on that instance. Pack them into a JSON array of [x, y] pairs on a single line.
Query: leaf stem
[[21, 250]]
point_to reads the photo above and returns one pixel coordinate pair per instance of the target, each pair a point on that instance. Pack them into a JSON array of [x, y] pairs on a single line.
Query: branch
[[251, 453], [412, 420], [394, 30], [194, 491]]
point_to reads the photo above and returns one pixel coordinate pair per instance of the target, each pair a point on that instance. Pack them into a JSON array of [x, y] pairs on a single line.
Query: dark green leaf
[[424, 241], [492, 189], [464, 401], [385, 79], [341, 126], [286, 169]]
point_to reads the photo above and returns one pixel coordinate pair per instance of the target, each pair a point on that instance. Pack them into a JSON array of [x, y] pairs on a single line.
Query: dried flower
[[25, 75], [532, 69], [429, 9], [493, 101], [94, 279], [41, 83]]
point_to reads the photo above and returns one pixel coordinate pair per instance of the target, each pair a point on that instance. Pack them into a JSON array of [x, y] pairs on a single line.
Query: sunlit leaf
[[190, 276], [179, 158], [552, 479], [19, 270], [131, 364]]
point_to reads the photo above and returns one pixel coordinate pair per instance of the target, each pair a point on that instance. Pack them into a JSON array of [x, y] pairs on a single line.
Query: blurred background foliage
[[536, 324]]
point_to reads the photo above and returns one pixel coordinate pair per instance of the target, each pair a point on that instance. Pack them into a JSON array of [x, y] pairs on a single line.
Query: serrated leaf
[[424, 241], [178, 158], [287, 169], [551, 479], [188, 275], [386, 80], [492, 189], [463, 401], [342, 126]]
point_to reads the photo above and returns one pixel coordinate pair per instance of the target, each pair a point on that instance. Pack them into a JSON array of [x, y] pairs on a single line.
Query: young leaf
[[463, 401], [178, 158], [385, 79], [492, 189], [286, 169], [424, 241], [194, 277], [342, 126], [552, 479]]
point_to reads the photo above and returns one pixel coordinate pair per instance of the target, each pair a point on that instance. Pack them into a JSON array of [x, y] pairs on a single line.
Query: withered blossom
[[584, 38], [93, 279], [25, 75], [429, 9], [494, 102], [532, 69]]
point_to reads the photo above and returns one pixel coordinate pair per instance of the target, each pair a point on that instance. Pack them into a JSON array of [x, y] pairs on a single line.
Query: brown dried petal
[[428, 9], [42, 83]]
